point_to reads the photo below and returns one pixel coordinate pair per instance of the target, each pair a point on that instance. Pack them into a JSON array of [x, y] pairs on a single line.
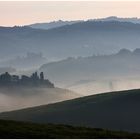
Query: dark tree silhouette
[[41, 76], [33, 80]]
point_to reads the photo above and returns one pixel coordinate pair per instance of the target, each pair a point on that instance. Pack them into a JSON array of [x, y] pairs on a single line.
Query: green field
[[15, 129]]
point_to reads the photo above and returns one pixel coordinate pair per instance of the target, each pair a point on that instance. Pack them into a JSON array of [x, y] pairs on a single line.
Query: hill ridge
[[115, 111]]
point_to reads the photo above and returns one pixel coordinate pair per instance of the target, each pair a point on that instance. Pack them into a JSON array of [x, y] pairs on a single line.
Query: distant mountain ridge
[[120, 19], [78, 39], [53, 24], [59, 23]]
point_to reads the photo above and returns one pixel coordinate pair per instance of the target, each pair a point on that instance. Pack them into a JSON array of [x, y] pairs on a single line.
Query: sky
[[28, 12]]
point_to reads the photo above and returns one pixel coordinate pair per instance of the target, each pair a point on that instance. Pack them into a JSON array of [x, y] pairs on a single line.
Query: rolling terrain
[[24, 130], [113, 111], [97, 74], [79, 39], [53, 24], [59, 23]]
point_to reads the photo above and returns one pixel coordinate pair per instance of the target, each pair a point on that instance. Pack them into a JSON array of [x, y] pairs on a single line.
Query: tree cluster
[[34, 80]]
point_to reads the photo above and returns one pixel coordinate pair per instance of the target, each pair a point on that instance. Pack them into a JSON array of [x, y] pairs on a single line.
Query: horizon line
[[65, 20]]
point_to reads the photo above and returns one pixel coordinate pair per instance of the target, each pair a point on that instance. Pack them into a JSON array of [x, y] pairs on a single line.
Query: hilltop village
[[34, 80]]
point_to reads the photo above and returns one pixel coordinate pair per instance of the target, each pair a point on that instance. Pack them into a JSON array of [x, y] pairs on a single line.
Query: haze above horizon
[[27, 12]]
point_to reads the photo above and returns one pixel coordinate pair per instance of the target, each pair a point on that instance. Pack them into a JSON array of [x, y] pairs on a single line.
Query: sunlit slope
[[115, 111]]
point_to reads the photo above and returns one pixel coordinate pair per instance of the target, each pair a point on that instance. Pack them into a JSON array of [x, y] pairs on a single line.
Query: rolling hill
[[53, 24], [79, 39], [114, 111], [115, 18], [96, 74], [24, 130], [59, 23]]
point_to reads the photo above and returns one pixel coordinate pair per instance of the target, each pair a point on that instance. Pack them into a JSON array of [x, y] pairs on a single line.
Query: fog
[[26, 62], [82, 75], [96, 74], [101, 86], [89, 59], [17, 98]]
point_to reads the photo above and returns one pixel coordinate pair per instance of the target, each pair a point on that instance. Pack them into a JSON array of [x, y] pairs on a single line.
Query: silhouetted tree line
[[34, 80]]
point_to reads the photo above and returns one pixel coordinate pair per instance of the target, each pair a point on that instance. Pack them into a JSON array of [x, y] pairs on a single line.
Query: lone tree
[[6, 77], [41, 76]]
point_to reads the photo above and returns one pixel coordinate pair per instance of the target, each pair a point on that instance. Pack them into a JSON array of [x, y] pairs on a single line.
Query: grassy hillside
[[114, 111], [13, 129]]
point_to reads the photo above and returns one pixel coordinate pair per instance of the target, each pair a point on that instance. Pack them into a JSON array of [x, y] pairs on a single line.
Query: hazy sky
[[21, 13]]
